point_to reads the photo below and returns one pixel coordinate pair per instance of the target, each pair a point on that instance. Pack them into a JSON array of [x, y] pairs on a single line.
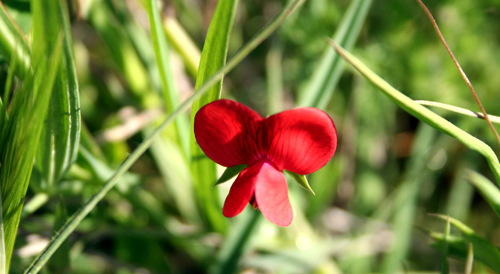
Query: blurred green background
[[370, 212]]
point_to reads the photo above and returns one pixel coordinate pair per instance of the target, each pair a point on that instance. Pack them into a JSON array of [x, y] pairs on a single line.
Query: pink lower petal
[[271, 194]]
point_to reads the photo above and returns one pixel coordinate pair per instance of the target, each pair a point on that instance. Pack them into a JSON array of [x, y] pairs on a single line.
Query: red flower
[[300, 140]]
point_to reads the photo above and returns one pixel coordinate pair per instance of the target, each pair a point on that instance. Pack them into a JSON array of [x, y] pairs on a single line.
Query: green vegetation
[[100, 171]]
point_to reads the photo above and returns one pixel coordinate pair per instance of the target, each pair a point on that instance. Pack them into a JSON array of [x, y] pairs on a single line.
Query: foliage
[[97, 146]]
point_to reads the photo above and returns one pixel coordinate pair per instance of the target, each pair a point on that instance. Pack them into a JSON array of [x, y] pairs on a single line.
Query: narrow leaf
[[483, 249], [29, 110], [488, 190], [13, 44], [61, 132], [319, 90], [470, 260], [423, 113], [444, 256], [170, 92], [302, 180], [229, 173], [3, 250], [183, 44], [61, 262], [213, 57]]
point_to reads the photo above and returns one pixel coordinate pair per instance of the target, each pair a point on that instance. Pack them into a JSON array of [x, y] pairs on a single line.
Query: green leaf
[[183, 44], [488, 190], [470, 260], [319, 89], [229, 173], [61, 262], [61, 133], [302, 180], [422, 113], [213, 57], [3, 239], [13, 44], [29, 108], [445, 269], [457, 246], [484, 251]]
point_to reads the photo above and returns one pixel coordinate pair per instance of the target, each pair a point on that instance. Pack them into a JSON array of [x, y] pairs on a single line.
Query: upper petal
[[300, 140], [271, 194], [228, 132]]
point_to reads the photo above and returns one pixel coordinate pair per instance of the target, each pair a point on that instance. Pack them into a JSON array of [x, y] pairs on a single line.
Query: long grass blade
[[183, 44], [470, 260], [13, 44], [61, 132], [445, 268], [213, 57], [78, 216], [423, 113], [3, 250], [170, 92], [29, 107], [319, 90]]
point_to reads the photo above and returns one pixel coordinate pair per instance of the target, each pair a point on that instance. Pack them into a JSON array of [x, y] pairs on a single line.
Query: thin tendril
[[462, 73]]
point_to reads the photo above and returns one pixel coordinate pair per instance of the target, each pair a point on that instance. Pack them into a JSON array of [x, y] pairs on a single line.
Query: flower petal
[[241, 192], [271, 194], [228, 132], [300, 140]]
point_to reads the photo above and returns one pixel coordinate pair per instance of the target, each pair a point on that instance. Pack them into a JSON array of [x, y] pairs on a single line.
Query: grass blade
[[29, 107], [3, 250], [423, 113], [61, 132], [183, 44], [483, 250], [61, 262], [170, 92], [78, 216], [445, 268], [213, 57], [470, 260], [319, 90], [13, 43], [488, 190]]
